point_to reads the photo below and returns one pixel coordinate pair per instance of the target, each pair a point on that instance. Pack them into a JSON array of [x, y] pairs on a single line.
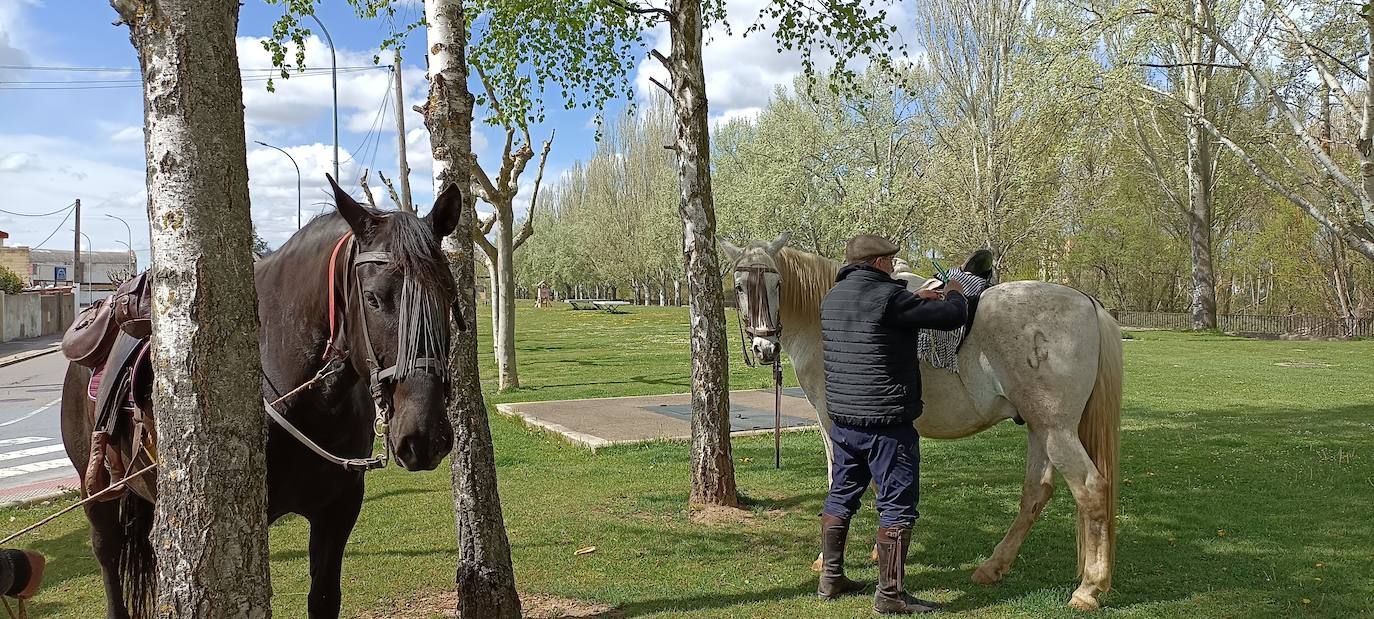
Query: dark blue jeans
[[888, 455]]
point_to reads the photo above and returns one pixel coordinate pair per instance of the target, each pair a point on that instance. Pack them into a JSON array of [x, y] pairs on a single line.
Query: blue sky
[[58, 144]]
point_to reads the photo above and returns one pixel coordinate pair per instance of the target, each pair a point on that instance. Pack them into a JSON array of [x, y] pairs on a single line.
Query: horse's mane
[[807, 278]]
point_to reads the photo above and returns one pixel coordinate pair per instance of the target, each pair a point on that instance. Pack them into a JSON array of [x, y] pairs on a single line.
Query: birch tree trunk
[[210, 527], [713, 470], [504, 292], [485, 579]]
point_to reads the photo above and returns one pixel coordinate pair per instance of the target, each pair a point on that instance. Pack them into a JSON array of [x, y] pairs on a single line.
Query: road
[[32, 459]]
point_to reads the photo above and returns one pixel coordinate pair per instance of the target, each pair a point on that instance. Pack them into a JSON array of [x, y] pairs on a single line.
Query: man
[[869, 324]]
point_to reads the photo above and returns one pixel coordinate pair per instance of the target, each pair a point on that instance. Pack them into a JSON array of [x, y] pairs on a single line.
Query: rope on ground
[[112, 487]]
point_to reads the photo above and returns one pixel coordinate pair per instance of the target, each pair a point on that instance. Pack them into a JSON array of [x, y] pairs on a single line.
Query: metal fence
[[1307, 326]]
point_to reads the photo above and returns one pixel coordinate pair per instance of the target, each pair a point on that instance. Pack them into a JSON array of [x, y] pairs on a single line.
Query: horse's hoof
[[987, 574], [816, 565], [1083, 601]]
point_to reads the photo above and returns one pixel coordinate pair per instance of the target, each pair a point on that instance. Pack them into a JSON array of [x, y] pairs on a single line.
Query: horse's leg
[[1090, 491], [329, 531], [1035, 493], [107, 538]]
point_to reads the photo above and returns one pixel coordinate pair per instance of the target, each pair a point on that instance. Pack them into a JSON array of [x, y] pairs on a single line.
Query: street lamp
[[129, 244], [133, 258], [298, 178], [334, 82]]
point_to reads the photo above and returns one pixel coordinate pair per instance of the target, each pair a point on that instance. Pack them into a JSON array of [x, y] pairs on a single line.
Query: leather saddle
[[113, 338]]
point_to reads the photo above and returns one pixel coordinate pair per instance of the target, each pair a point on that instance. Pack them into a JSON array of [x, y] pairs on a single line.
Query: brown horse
[[389, 289]]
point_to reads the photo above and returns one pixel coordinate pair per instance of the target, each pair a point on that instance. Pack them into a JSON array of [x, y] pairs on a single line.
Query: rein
[[760, 324], [336, 356]]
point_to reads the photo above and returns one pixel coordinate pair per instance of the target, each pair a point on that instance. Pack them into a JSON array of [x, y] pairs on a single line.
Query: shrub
[[11, 282]]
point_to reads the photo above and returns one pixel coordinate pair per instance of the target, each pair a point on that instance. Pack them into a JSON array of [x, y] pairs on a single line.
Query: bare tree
[[211, 517], [500, 193]]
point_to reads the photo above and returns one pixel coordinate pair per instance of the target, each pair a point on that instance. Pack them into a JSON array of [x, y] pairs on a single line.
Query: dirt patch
[[534, 605], [717, 514]]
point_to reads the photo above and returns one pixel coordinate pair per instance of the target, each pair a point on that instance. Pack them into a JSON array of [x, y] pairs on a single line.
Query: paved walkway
[[603, 422]]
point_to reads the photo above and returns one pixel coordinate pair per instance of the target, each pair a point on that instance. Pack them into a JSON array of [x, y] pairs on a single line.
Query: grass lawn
[[1248, 491]]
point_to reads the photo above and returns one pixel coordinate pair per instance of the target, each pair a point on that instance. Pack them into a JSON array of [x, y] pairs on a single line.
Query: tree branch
[[1175, 65], [660, 85], [528, 229], [367, 191], [486, 190], [391, 189], [641, 10]]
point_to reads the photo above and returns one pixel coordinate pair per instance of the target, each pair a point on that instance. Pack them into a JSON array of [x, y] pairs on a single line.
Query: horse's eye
[[371, 300]]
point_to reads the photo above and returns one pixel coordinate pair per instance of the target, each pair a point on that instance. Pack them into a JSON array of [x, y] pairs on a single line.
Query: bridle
[[758, 321], [336, 357]]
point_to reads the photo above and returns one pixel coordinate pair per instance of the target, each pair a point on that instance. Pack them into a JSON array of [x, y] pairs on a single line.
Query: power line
[[55, 230], [67, 207]]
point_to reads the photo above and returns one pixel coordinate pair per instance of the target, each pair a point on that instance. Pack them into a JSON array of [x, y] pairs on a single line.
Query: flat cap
[[867, 247]]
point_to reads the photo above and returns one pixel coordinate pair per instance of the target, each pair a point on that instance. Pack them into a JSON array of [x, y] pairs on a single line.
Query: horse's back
[[1039, 333]]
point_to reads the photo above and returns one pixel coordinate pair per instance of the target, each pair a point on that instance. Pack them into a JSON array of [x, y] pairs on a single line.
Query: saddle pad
[[941, 348]]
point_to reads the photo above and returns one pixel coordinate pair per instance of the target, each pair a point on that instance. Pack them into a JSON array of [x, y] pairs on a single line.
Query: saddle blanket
[[941, 348]]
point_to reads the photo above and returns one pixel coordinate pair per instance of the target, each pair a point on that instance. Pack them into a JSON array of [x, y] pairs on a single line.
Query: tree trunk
[[485, 579], [1200, 175], [507, 374], [713, 470], [210, 527]]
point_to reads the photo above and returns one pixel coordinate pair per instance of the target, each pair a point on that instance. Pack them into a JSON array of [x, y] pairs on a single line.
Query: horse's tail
[[1100, 431], [137, 563]]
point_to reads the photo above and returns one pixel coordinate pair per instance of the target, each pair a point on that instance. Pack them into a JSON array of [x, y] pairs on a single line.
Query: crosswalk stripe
[[23, 440], [32, 451], [34, 467]]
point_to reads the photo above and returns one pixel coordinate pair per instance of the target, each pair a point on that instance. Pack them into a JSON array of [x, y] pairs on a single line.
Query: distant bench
[[584, 304], [610, 306]]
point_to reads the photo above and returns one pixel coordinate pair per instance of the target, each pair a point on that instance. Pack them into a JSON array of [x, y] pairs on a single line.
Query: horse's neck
[[293, 310]]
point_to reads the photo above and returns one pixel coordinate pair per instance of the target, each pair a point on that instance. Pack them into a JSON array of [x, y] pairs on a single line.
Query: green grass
[[1217, 438]]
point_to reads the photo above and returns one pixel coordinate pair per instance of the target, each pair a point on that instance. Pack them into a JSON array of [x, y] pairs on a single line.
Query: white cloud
[[18, 162], [742, 73], [130, 134], [72, 170]]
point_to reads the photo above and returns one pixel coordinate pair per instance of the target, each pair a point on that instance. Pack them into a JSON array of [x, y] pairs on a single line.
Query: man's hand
[[930, 295], [954, 285]]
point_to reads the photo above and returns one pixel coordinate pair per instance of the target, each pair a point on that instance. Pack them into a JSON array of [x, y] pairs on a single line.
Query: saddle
[[112, 337]]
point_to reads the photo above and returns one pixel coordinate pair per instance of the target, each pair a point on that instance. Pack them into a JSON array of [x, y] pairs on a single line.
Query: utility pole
[[77, 271], [404, 169]]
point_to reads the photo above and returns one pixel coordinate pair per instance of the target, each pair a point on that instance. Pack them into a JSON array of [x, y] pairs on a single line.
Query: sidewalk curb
[[56, 493], [29, 354]]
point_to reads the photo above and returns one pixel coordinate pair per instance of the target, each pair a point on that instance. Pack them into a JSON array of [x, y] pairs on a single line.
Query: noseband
[[758, 320], [336, 357]]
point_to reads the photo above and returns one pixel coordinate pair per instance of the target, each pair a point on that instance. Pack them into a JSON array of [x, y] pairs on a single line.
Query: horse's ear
[[357, 217], [448, 208], [778, 243], [731, 250]]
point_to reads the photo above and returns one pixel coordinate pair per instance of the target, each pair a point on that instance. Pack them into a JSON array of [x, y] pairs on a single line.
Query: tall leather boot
[[891, 597], [833, 582]]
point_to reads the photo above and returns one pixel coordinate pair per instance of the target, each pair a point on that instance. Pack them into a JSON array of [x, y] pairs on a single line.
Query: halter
[[335, 356], [759, 319]]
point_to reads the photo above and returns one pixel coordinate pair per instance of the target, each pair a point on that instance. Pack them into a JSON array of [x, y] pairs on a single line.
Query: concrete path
[[603, 422], [33, 463]]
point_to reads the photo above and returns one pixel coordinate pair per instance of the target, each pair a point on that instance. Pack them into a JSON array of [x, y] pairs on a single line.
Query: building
[[103, 269]]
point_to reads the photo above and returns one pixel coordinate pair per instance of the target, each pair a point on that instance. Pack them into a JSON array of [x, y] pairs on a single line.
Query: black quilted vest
[[872, 376]]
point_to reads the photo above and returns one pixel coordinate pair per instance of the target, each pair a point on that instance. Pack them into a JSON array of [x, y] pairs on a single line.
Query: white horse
[[1044, 352]]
